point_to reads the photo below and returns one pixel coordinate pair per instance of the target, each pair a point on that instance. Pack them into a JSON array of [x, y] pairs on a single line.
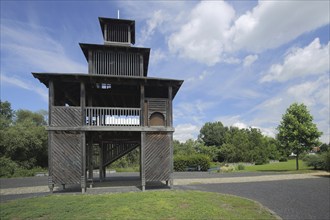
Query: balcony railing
[[99, 116]]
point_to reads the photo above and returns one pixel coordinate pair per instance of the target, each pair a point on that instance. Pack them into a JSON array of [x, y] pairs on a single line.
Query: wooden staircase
[[114, 150]]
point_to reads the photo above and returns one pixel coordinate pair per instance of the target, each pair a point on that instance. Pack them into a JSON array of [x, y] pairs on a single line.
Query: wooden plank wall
[[157, 105], [66, 158], [116, 63], [66, 116], [157, 156]]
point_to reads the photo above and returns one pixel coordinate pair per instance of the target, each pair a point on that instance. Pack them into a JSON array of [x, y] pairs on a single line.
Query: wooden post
[[90, 157], [142, 150], [83, 136], [169, 108], [171, 160], [170, 134], [50, 135], [82, 103], [83, 170], [101, 162], [90, 62], [143, 178]]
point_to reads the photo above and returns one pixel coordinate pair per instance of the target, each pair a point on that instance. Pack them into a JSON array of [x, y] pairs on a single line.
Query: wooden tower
[[112, 110]]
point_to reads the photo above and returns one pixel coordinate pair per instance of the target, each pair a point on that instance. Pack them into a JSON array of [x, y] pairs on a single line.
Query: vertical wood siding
[[117, 64], [157, 156], [117, 33], [66, 158]]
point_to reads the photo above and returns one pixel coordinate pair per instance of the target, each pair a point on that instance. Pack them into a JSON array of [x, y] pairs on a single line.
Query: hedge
[[183, 162]]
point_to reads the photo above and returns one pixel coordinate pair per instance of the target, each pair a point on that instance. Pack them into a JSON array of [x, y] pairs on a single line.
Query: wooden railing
[[100, 116]]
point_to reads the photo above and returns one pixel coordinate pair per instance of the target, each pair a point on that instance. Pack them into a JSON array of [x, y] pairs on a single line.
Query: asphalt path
[[290, 199]]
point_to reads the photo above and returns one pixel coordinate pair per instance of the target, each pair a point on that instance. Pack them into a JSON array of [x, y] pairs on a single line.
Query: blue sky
[[243, 62]]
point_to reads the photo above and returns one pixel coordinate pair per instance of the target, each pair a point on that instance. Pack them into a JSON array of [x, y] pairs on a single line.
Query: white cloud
[[202, 37], [34, 47], [311, 60], [185, 132], [157, 55], [211, 32], [273, 23], [157, 18], [25, 85], [248, 60]]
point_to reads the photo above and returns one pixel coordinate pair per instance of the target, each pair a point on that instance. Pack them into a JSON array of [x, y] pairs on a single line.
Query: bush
[[314, 161], [7, 166], [182, 162], [326, 160], [318, 161], [261, 161], [11, 169], [241, 167], [283, 159]]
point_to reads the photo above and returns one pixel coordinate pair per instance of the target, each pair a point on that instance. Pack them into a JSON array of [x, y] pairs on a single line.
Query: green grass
[[136, 205], [288, 166]]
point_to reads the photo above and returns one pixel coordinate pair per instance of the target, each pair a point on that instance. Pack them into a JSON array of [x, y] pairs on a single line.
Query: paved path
[[291, 196], [290, 199]]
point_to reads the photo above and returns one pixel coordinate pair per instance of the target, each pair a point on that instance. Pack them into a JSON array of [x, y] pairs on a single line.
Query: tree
[[213, 133], [6, 114], [297, 133]]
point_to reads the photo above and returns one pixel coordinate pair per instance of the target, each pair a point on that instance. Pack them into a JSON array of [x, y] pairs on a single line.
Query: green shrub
[[326, 160], [7, 167], [182, 162], [11, 169], [314, 161], [318, 161], [261, 161], [283, 159], [241, 167]]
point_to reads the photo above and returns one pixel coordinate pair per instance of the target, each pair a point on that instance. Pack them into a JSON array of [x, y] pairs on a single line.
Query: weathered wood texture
[[157, 156], [66, 158], [156, 106], [116, 63], [66, 116], [117, 33], [114, 150]]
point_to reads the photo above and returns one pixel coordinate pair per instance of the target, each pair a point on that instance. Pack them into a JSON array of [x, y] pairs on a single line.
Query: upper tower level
[[118, 31], [117, 56]]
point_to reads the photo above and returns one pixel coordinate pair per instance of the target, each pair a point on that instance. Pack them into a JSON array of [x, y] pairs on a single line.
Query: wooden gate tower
[[110, 111]]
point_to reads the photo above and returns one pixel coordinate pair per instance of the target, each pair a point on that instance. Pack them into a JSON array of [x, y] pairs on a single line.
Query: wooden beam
[[169, 108], [142, 161], [142, 94], [83, 159], [82, 102]]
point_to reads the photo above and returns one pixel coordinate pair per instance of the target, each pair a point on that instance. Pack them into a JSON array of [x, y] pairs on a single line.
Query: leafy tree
[[297, 133], [23, 137], [6, 114], [213, 133]]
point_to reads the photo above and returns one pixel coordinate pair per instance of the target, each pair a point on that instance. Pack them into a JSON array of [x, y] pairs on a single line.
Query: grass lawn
[[289, 165], [136, 205]]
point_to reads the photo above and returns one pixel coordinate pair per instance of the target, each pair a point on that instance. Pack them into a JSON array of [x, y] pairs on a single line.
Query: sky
[[243, 62]]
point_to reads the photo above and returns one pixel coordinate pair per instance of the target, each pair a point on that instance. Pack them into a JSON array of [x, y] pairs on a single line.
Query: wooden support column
[[142, 162], [83, 148], [83, 137], [90, 158], [143, 137], [169, 108], [170, 134], [50, 135], [101, 162]]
